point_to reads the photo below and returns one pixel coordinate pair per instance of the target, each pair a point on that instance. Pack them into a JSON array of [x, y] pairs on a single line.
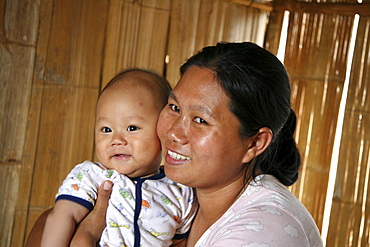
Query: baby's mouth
[[177, 156], [121, 156]]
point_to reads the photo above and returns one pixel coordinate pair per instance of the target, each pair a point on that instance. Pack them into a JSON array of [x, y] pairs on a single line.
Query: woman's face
[[200, 135]]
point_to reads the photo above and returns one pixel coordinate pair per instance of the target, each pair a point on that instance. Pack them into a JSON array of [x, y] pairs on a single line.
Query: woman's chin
[[174, 173]]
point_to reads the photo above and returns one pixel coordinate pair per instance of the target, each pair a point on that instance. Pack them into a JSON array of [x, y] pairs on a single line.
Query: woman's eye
[[132, 128], [174, 108], [106, 130], [200, 120]]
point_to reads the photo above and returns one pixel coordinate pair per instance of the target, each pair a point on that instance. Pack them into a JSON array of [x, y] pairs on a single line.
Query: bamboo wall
[[350, 221], [317, 65], [317, 51], [56, 55]]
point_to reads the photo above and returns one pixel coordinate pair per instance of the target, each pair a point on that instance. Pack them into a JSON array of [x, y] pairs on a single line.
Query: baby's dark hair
[[157, 84], [259, 90]]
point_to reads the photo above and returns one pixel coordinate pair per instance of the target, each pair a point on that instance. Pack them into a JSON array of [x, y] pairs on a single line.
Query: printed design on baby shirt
[[109, 173], [145, 204], [116, 225], [157, 234], [176, 218], [79, 176], [165, 200], [161, 214], [75, 187], [125, 194], [120, 245]]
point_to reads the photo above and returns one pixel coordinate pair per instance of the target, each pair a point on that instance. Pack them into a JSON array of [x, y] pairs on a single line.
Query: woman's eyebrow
[[172, 96], [204, 109], [197, 108]]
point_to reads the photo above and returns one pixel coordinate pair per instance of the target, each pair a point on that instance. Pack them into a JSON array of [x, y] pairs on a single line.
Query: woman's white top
[[267, 214]]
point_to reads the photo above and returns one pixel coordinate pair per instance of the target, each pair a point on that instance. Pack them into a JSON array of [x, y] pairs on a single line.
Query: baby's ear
[[257, 144]]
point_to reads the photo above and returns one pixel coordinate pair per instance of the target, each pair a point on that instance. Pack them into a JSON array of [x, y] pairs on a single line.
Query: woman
[[228, 132]]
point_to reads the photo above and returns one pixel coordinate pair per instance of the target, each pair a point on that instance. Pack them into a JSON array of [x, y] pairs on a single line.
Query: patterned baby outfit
[[267, 214], [148, 211]]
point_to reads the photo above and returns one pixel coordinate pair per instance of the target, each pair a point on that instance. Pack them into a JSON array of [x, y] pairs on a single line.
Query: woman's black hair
[[259, 90]]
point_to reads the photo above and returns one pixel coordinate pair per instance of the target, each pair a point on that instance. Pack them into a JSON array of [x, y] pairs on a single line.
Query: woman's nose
[[177, 132]]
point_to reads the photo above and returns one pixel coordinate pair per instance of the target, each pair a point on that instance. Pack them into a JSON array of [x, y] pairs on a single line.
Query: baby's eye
[[200, 120], [106, 130], [174, 108], [132, 128]]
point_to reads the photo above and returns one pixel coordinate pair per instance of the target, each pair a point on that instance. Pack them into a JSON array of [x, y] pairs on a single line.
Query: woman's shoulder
[[267, 195], [266, 189], [267, 205]]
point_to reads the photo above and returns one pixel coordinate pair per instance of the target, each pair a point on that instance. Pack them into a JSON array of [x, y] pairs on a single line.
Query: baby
[[145, 208]]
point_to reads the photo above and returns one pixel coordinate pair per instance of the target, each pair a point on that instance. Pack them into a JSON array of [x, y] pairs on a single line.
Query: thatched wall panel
[[17, 52], [352, 185], [315, 137], [66, 124], [316, 54], [317, 45], [136, 36], [198, 23], [68, 55], [21, 19]]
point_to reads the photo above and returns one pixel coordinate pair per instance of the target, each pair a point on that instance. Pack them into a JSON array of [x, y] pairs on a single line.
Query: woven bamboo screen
[[316, 58], [57, 101], [136, 36], [56, 55], [15, 98], [196, 23], [317, 52], [350, 213]]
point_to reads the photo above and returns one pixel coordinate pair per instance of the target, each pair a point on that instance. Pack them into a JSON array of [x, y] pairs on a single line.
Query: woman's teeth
[[177, 156]]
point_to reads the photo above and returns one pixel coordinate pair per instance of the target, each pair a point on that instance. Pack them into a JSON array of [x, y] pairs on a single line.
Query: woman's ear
[[257, 144]]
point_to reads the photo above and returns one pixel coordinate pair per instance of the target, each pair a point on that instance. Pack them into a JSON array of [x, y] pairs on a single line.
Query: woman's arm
[[179, 243], [34, 238], [90, 229]]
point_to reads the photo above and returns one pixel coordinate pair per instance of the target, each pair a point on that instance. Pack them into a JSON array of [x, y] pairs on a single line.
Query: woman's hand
[[90, 229]]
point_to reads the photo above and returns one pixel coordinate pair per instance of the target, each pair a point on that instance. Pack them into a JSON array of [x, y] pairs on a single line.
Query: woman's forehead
[[198, 90], [196, 78]]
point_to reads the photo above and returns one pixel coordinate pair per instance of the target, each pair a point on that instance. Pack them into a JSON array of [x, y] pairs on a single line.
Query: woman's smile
[[177, 156]]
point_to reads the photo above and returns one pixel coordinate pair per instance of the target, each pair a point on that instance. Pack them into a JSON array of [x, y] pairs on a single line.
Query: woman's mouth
[[177, 156]]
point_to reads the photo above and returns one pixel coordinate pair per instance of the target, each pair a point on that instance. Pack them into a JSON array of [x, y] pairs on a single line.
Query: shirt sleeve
[[190, 207], [81, 184]]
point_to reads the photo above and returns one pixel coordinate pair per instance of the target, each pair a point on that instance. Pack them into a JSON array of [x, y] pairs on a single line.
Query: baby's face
[[125, 131]]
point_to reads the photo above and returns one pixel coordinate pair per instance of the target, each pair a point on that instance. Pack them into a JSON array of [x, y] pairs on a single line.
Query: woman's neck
[[212, 205]]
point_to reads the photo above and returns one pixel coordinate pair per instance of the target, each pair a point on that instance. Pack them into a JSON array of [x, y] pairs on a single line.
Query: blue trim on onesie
[[77, 200], [138, 203], [181, 236]]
